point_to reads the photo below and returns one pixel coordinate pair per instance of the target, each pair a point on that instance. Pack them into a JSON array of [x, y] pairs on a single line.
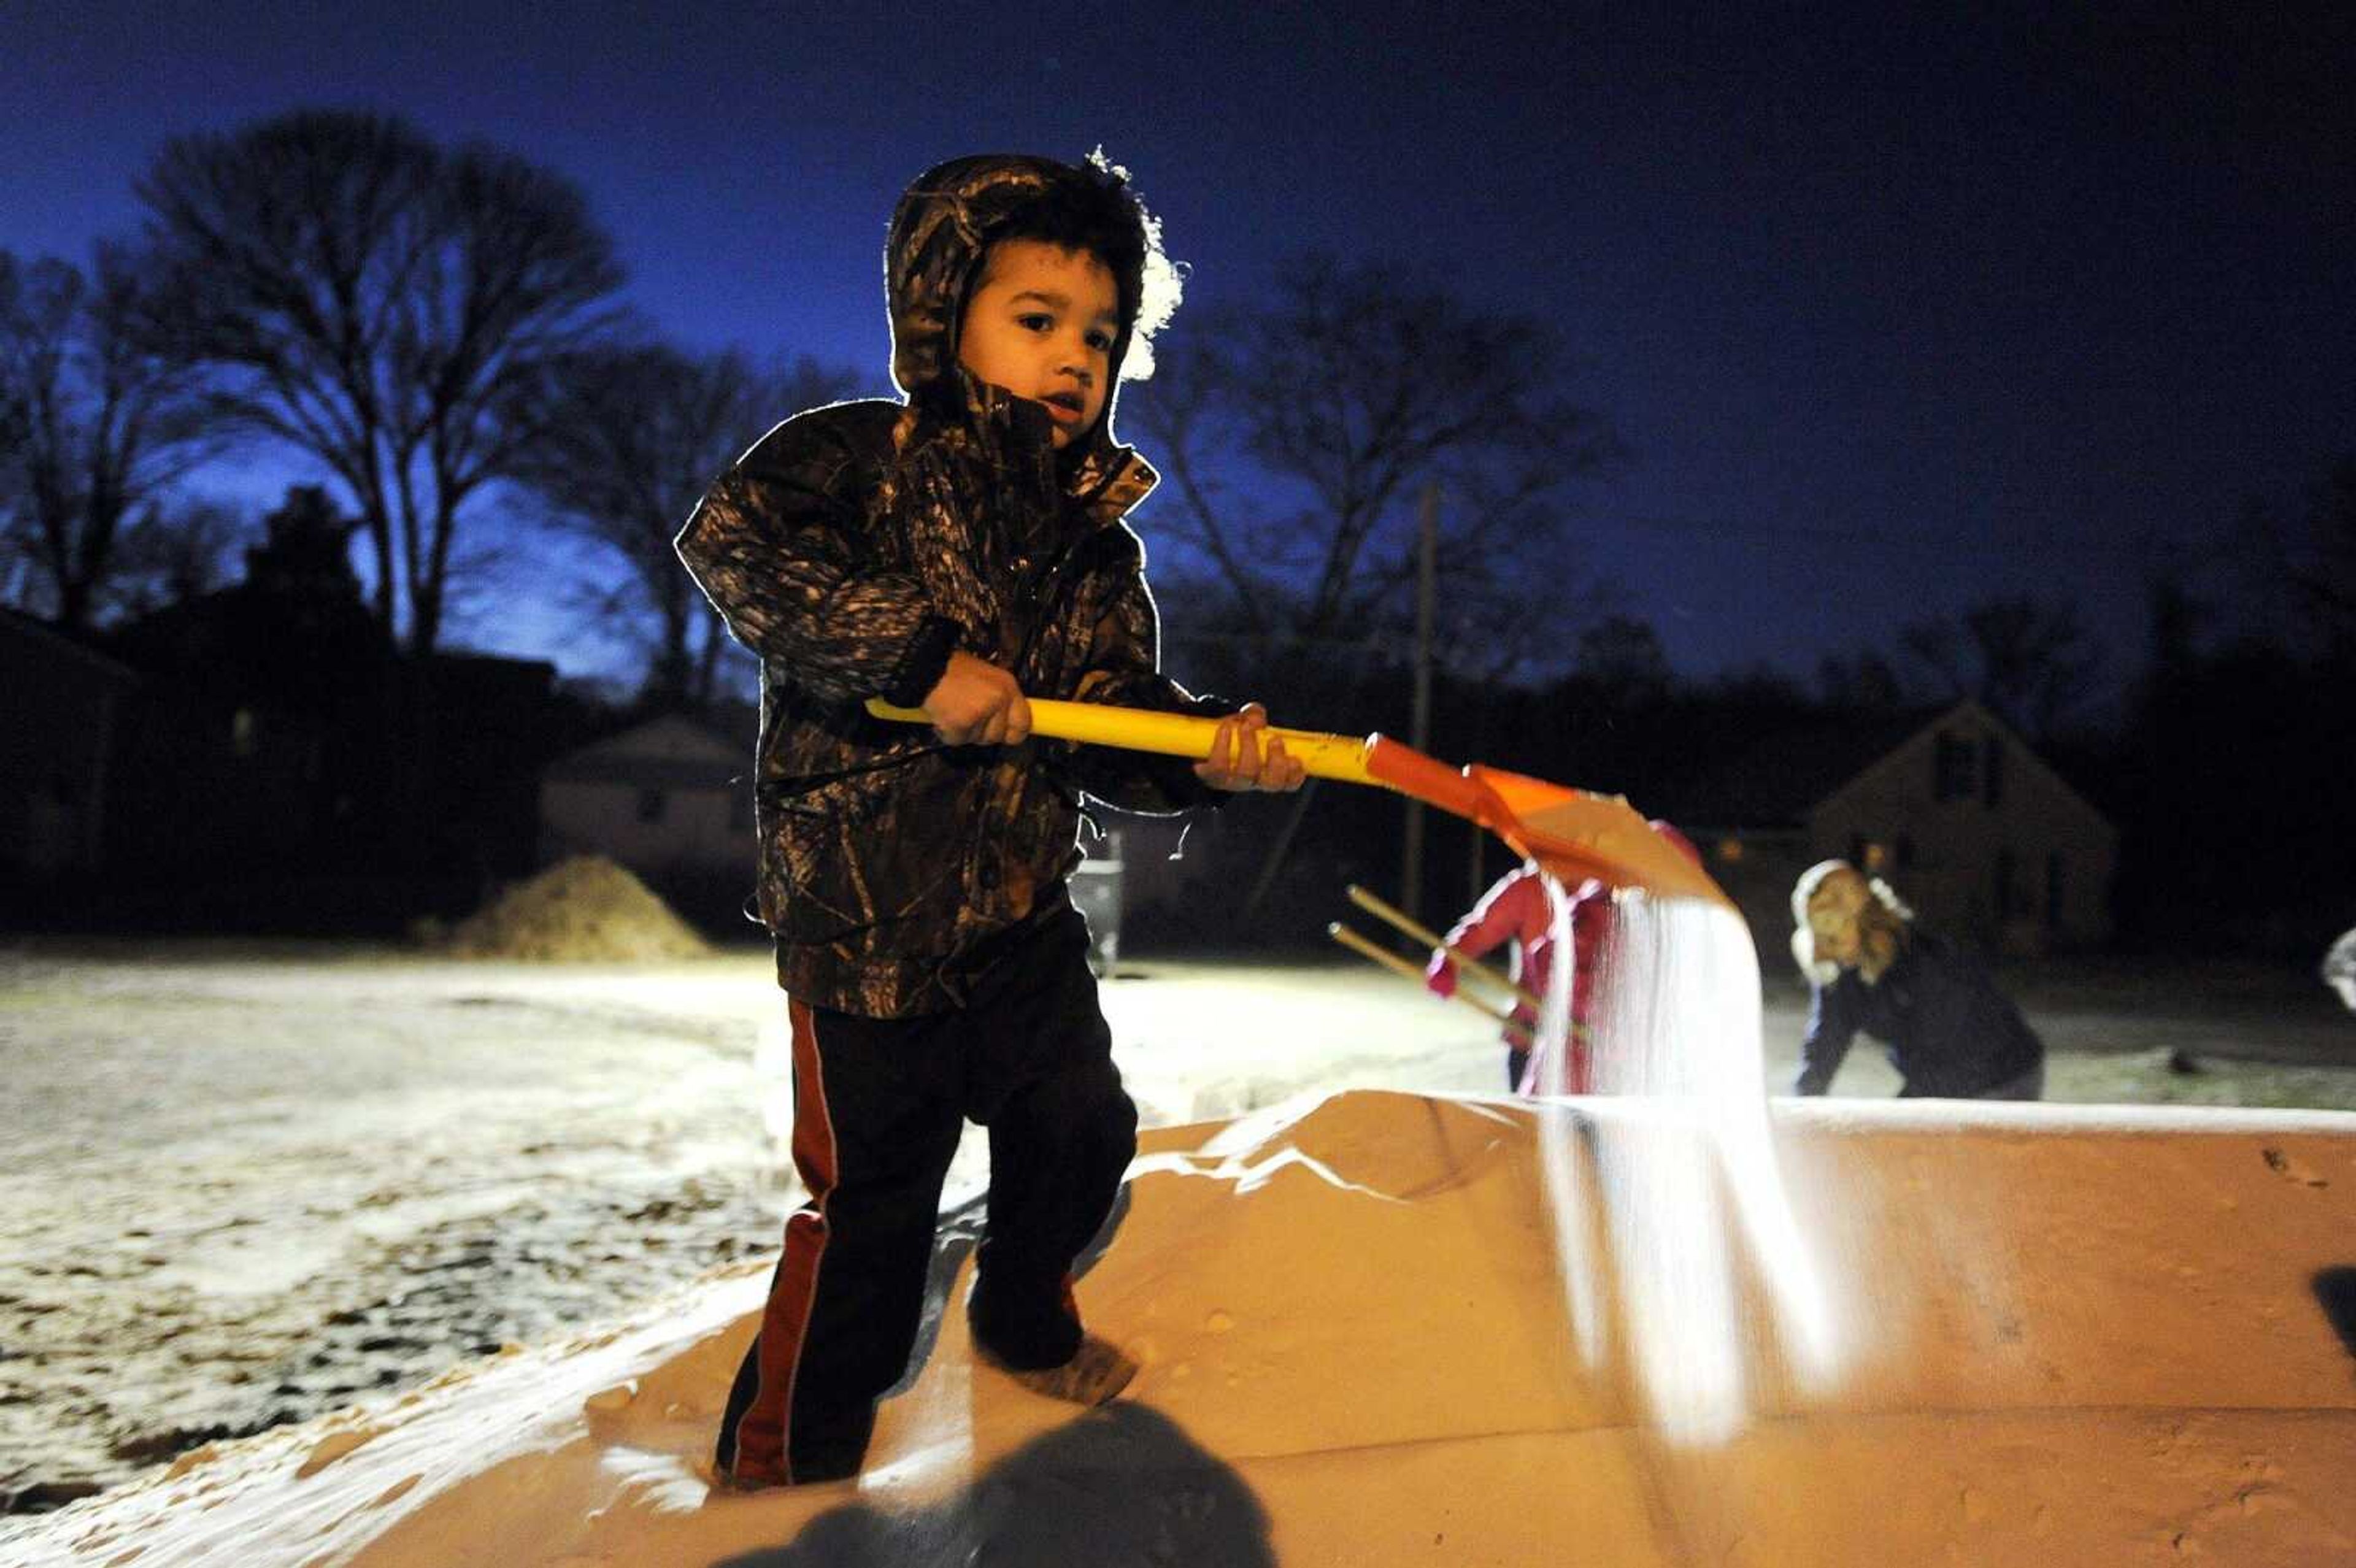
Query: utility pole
[[1427, 568]]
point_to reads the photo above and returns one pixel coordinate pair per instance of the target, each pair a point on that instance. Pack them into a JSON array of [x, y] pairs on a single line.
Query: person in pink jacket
[[1515, 912]]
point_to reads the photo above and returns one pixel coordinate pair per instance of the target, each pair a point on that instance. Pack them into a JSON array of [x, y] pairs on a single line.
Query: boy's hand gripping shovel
[[1571, 833]]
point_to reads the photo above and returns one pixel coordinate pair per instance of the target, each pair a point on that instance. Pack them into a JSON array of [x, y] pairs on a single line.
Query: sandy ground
[[2043, 1335], [241, 1188]]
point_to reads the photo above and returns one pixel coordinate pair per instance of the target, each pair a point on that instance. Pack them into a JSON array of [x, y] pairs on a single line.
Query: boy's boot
[[1030, 1348], [1096, 1374]]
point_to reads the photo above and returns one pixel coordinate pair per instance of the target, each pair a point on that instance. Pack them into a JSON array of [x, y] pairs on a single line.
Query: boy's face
[[1042, 325]]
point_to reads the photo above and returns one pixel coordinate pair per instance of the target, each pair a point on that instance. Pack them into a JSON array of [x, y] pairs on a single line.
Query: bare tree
[[2039, 661], [1623, 655], [631, 435], [173, 553], [1936, 643], [1862, 682], [1297, 437], [2031, 662], [16, 550], [1185, 412], [99, 426], [1352, 390], [382, 304], [16, 412], [2319, 558]]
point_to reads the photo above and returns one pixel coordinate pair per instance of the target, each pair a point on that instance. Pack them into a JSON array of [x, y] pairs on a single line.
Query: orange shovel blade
[[1570, 832], [1575, 836]]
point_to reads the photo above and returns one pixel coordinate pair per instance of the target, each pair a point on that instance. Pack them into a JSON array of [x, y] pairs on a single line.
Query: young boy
[[953, 554]]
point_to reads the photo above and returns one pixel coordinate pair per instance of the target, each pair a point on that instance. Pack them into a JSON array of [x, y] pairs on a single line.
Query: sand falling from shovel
[[1683, 1165]]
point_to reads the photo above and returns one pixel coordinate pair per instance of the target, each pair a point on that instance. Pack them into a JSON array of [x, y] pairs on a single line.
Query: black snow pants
[[879, 1104]]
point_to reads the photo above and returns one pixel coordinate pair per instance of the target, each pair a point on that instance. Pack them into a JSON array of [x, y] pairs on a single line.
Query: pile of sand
[[585, 910], [2068, 1336]]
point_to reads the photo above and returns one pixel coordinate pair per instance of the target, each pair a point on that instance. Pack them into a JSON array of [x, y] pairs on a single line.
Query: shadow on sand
[[1120, 1485], [2335, 1292]]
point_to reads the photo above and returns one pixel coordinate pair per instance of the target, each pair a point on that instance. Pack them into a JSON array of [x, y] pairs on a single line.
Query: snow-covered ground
[[241, 1188]]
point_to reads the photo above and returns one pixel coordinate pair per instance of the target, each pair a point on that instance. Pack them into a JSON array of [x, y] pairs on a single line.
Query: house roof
[[671, 751], [1780, 780], [37, 632], [1777, 780], [2028, 755], [649, 773]]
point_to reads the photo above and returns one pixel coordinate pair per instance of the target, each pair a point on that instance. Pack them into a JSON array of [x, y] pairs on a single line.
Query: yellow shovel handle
[[1169, 734]]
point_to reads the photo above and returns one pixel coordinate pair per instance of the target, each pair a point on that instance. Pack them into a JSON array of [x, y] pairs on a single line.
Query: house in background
[[285, 766], [1970, 826], [669, 799], [61, 709]]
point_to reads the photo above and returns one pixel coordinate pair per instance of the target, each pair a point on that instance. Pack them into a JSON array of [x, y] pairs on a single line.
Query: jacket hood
[[944, 225]]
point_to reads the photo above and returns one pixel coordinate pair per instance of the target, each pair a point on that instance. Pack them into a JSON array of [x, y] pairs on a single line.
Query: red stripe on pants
[[764, 1432]]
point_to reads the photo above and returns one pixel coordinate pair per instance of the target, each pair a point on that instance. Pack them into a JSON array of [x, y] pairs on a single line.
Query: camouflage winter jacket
[[884, 855], [853, 549]]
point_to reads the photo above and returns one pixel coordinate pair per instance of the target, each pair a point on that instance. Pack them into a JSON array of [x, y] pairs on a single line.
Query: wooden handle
[[1414, 932], [1169, 734], [1396, 919], [1399, 966]]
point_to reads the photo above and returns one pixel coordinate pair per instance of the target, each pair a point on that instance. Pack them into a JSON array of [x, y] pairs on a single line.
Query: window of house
[[652, 803], [1953, 770], [241, 728]]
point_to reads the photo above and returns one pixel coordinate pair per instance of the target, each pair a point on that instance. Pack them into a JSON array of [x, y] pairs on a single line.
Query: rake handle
[[1415, 932], [1400, 967]]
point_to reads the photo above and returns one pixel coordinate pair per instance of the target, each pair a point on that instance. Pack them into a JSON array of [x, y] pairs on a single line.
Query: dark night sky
[[1891, 316]]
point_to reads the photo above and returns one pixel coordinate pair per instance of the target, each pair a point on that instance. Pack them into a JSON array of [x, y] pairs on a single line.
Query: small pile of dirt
[[585, 910]]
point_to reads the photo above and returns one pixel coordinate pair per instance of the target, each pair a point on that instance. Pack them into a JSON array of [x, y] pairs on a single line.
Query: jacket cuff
[[922, 662]]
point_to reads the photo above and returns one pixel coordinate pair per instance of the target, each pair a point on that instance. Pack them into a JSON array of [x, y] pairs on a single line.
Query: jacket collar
[[1105, 479]]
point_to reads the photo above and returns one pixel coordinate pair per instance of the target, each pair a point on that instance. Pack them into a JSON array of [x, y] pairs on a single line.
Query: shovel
[[1571, 833]]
